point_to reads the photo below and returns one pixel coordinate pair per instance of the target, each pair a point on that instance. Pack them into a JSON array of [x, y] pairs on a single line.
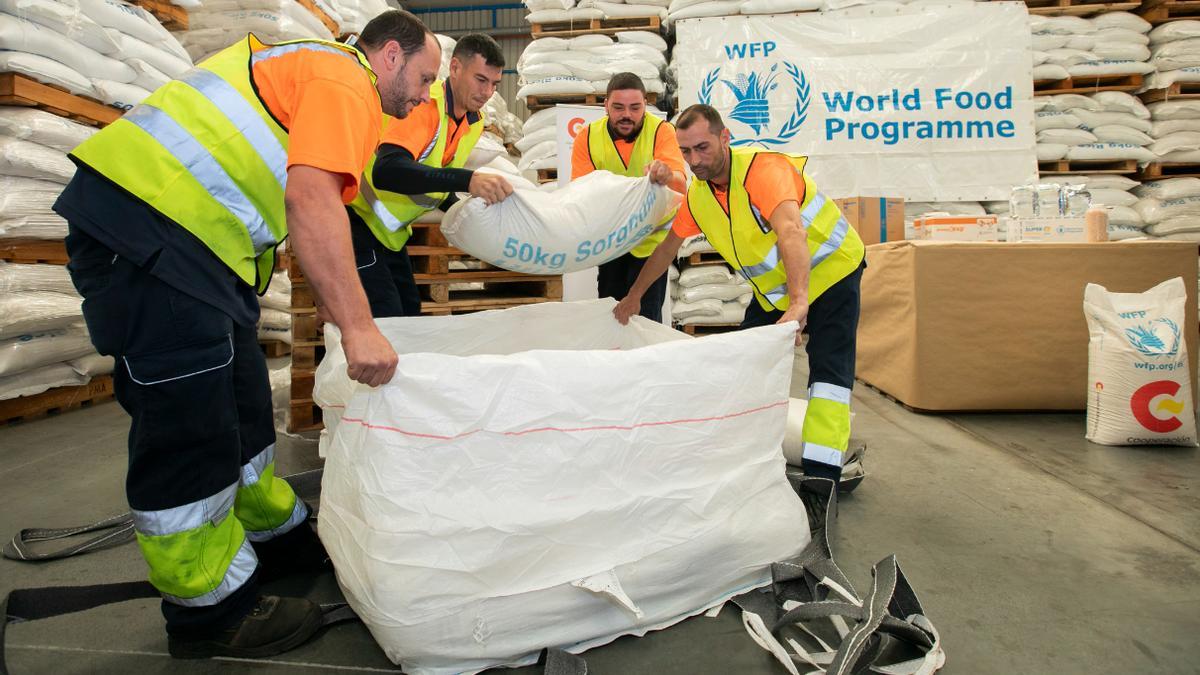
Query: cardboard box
[[877, 219], [1057, 230], [979, 326], [957, 228]]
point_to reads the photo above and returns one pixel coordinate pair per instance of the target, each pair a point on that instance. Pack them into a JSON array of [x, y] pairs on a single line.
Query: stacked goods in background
[[569, 18], [706, 295], [577, 70]]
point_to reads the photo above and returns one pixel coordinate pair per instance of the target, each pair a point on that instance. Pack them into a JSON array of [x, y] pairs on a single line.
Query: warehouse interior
[[1022, 183]]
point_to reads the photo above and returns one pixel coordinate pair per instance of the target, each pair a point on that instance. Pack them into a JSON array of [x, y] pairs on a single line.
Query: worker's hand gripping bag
[[594, 219], [545, 477], [1140, 387]]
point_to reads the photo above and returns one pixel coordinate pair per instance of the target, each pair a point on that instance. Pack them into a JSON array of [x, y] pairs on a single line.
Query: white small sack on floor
[[546, 477], [592, 220], [1139, 388]]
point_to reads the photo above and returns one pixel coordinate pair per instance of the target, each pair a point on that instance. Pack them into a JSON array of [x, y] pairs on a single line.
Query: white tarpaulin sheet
[[546, 477], [932, 104]]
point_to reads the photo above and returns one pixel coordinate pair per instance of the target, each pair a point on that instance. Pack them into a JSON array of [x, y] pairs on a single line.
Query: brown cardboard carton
[[876, 219], [988, 326]]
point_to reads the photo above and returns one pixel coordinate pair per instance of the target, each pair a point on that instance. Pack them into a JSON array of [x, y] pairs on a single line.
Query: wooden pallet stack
[[1079, 7], [450, 282], [1180, 91]]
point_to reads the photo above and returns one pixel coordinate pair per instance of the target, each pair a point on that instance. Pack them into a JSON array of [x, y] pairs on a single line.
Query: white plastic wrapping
[[41, 127], [22, 278], [32, 160], [38, 380], [46, 70], [594, 219], [25, 36], [34, 350], [1140, 390], [37, 311], [559, 488]]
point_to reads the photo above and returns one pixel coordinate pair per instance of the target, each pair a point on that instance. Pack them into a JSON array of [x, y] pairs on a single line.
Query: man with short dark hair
[[629, 142], [804, 262], [174, 214], [418, 168]]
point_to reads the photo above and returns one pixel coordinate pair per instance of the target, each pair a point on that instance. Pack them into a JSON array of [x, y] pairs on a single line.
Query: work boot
[[275, 625]]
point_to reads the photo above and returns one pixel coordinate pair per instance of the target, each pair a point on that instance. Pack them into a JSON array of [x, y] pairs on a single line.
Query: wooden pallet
[[705, 258], [468, 302], [1079, 7], [1069, 166], [275, 348], [56, 400], [701, 329], [1088, 85], [497, 284], [1180, 91], [321, 16], [541, 102], [17, 89], [570, 29], [172, 17], [1162, 11], [52, 251], [1162, 170]]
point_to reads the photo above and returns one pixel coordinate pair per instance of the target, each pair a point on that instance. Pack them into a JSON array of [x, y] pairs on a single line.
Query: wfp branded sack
[[592, 220], [1140, 387], [546, 477]]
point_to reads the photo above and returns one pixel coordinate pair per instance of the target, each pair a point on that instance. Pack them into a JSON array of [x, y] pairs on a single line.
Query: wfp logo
[[1157, 338], [755, 91]]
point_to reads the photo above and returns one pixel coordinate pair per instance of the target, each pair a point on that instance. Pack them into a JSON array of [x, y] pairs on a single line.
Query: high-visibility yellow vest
[[204, 151], [745, 239], [390, 214], [605, 157]]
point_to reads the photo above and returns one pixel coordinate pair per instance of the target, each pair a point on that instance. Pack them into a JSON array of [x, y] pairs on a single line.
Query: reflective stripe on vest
[[210, 156], [602, 150], [389, 214], [236, 575], [746, 240]]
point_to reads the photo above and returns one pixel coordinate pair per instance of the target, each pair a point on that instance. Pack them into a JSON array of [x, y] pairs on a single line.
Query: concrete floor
[[1032, 550]]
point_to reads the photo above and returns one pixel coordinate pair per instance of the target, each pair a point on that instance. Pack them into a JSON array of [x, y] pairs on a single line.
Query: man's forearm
[[657, 264], [396, 170], [320, 236], [793, 250]]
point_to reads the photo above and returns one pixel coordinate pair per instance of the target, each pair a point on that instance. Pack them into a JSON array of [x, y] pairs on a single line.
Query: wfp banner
[[931, 105]]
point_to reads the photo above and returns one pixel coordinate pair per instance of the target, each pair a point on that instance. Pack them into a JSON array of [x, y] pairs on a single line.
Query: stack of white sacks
[[1114, 43], [581, 65], [552, 11], [1175, 54], [706, 294], [356, 13], [105, 49], [1175, 126], [1109, 125], [219, 23], [692, 9], [275, 317], [43, 340], [1170, 208], [1117, 195]]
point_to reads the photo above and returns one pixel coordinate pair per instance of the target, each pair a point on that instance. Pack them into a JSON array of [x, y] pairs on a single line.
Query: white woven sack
[[46, 70], [1110, 151], [39, 126], [1115, 133], [31, 160], [524, 545], [62, 18], [119, 94], [1169, 188], [39, 380], [1138, 362], [596, 218], [25, 36], [1112, 197]]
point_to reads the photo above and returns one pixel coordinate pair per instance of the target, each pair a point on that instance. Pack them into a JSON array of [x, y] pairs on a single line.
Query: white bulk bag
[[1066, 136], [566, 485], [1157, 210], [1121, 20], [127, 18], [119, 94], [1106, 181], [1050, 71], [93, 364], [1169, 188], [722, 292], [1109, 67], [1052, 119], [594, 219], [1140, 391], [1116, 133], [31, 160], [1090, 119], [41, 127], [682, 310], [20, 277], [25, 36], [731, 312], [166, 62], [643, 38], [1049, 152], [1112, 197], [1110, 151], [699, 275]]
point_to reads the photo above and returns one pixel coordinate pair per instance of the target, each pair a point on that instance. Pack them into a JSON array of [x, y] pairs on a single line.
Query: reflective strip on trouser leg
[[265, 504], [197, 553], [826, 431]]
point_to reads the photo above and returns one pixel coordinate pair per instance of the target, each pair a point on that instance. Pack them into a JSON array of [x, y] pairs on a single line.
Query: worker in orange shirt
[[628, 142], [418, 168], [174, 214], [803, 261]]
